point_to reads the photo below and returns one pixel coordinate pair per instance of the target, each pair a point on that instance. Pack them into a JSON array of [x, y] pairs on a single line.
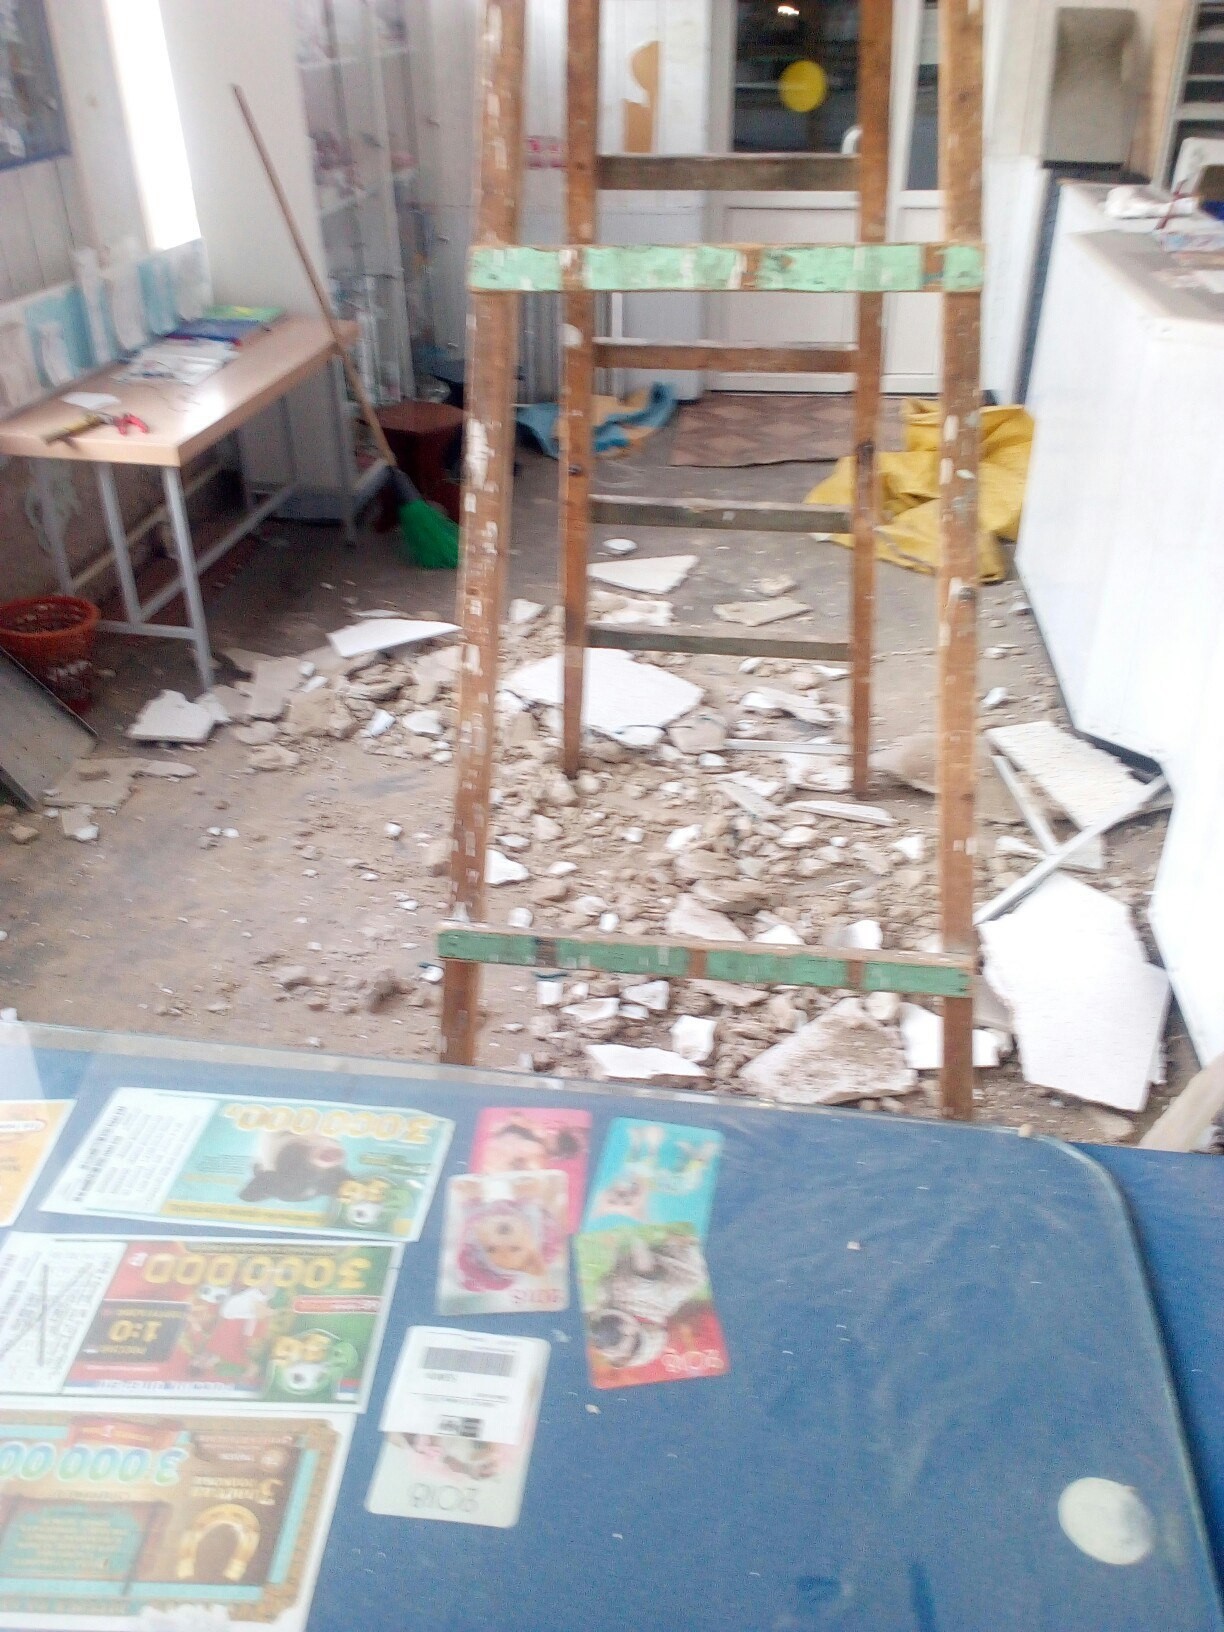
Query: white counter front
[[1122, 555]]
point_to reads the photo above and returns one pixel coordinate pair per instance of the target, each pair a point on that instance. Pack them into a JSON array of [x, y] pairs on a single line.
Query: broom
[[432, 539]]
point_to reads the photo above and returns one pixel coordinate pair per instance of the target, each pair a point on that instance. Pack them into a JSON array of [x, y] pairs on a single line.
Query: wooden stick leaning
[[356, 384]]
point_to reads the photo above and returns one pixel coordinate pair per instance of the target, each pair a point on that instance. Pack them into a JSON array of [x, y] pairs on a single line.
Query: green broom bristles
[[432, 539]]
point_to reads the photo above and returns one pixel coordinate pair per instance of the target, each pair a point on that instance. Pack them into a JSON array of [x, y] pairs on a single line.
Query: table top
[[183, 420], [934, 1331]]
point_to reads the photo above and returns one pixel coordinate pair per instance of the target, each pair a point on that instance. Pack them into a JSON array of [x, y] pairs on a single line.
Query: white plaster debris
[[769, 700], [922, 1039], [385, 635], [79, 824], [863, 936], [615, 1062], [682, 838], [216, 707], [169, 717], [780, 935], [653, 995], [380, 723], [842, 1056], [392, 830], [609, 923], [520, 918], [996, 697], [618, 546], [652, 575], [423, 722], [693, 919], [1089, 1010], [272, 683], [884, 1007], [1082, 780], [913, 846], [621, 696], [755, 613], [692, 1037], [499, 869], [550, 989], [594, 1011], [772, 587], [522, 613], [623, 612], [842, 810]]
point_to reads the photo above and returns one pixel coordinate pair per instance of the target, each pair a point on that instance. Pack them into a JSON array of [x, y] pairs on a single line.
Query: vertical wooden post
[[578, 360], [874, 95], [488, 475], [960, 165]]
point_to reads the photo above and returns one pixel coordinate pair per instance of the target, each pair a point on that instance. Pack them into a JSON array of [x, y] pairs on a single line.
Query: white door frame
[[903, 204]]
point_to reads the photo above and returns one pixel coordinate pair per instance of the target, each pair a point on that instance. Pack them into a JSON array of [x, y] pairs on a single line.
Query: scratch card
[[654, 1173], [504, 1244], [527, 1141], [649, 1311]]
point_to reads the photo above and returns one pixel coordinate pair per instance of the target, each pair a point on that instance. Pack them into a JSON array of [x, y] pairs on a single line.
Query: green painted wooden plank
[[619, 958], [769, 969], [919, 979], [741, 964], [802, 268]]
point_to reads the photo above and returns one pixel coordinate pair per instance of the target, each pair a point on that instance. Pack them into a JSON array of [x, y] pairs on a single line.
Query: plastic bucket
[[52, 636]]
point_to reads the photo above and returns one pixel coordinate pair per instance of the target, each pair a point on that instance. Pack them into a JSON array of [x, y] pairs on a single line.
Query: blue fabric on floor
[[540, 418]]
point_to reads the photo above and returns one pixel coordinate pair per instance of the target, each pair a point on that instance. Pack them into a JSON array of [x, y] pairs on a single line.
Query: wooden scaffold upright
[[501, 270]]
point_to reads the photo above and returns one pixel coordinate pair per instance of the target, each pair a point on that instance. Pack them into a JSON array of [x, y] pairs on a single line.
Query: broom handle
[[356, 384]]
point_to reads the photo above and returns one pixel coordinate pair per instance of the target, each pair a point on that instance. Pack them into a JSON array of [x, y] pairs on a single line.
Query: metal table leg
[[117, 533], [52, 525], [176, 504], [344, 454]]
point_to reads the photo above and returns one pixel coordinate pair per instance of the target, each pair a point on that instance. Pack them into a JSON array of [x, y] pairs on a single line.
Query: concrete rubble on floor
[[614, 1062], [754, 614], [620, 695], [169, 717], [837, 1059], [1084, 782]]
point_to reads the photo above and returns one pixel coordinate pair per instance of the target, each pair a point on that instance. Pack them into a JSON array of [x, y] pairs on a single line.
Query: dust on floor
[[280, 906]]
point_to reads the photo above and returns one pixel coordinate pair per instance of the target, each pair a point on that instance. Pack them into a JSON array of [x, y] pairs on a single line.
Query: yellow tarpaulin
[[909, 483]]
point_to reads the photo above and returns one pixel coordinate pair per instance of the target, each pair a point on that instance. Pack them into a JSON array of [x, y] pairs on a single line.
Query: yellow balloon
[[803, 86]]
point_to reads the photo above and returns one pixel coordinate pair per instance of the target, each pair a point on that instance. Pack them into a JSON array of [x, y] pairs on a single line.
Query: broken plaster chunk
[[500, 869], [691, 918], [863, 936], [256, 734], [884, 1007], [702, 732], [522, 614], [619, 1062], [1085, 782], [520, 918], [779, 935], [386, 635], [651, 575], [842, 1056], [922, 1039], [272, 757], [912, 846], [752, 614], [271, 685], [682, 838], [379, 724], [169, 717], [996, 697], [769, 700], [654, 995], [79, 824], [692, 1037], [167, 770], [843, 810], [424, 722], [618, 546], [777, 585], [594, 1011], [621, 697]]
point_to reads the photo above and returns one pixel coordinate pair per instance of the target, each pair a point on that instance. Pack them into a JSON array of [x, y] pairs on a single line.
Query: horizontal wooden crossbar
[[726, 356], [716, 645], [930, 974], [752, 516], [728, 172], [722, 268]]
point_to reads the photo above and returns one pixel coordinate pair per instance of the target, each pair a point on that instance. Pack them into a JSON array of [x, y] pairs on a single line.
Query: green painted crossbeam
[[929, 975], [796, 268]]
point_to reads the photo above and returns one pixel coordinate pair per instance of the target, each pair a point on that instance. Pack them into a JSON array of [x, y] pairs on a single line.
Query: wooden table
[[183, 421]]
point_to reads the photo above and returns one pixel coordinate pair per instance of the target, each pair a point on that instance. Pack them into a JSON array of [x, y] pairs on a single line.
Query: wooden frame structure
[[501, 269]]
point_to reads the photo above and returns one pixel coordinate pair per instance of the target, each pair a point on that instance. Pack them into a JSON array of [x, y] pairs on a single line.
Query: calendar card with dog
[[504, 1244], [272, 1323], [260, 1164]]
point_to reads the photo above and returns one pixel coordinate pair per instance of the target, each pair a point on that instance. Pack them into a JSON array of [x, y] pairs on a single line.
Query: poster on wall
[[260, 1164], [291, 1324], [127, 1521]]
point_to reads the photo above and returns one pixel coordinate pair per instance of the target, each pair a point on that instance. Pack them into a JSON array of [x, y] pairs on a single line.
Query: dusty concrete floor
[[161, 927]]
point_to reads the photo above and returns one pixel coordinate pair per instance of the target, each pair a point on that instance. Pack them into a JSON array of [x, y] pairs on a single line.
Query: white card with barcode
[[477, 1385]]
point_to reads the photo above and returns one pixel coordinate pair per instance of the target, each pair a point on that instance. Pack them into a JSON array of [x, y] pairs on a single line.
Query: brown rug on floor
[[726, 429]]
